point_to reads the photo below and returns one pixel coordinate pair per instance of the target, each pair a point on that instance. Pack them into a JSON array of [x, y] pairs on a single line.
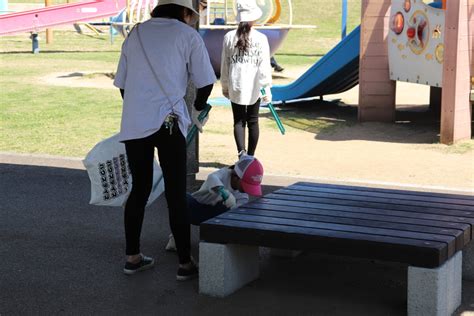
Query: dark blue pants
[[198, 213]]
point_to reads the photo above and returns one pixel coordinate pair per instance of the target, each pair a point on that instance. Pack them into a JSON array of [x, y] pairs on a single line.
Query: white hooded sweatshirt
[[243, 74]]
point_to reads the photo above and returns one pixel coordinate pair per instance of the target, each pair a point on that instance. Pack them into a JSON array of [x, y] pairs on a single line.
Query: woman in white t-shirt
[[245, 69], [153, 81]]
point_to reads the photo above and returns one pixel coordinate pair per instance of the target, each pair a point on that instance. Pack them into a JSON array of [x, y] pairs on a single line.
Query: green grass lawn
[[39, 118]]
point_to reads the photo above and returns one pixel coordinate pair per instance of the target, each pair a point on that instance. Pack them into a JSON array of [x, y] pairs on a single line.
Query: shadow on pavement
[[62, 255]]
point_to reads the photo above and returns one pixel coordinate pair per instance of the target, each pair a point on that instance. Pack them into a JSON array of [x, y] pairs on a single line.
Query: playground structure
[[434, 46], [377, 90], [39, 19], [336, 72], [122, 15], [416, 42], [219, 18]]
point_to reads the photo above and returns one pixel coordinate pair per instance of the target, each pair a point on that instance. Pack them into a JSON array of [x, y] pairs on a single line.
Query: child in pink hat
[[224, 189], [250, 173]]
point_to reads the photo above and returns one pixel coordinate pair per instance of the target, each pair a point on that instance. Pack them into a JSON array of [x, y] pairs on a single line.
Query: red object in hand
[[411, 32]]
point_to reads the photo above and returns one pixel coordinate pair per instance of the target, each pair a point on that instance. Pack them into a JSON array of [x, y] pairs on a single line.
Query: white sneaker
[[171, 245]]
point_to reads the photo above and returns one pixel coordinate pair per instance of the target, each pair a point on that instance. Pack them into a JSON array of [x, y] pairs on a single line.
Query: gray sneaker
[[145, 263], [188, 273]]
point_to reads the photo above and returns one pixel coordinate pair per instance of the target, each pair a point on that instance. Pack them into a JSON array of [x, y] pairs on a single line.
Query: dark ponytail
[[243, 31]]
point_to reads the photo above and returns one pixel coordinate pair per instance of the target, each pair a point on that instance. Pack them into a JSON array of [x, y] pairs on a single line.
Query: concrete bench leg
[[435, 291], [223, 269], [468, 262]]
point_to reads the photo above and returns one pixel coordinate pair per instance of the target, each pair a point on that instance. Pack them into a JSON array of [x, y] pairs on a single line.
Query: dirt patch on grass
[[81, 79]]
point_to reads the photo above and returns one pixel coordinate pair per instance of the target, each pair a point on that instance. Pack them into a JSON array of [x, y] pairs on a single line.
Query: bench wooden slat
[[458, 235], [445, 222], [378, 205], [370, 210], [386, 200], [371, 189], [415, 252], [449, 240], [391, 195]]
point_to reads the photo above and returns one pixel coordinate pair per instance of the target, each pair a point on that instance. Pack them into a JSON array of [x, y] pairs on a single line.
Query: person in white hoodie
[[245, 69]]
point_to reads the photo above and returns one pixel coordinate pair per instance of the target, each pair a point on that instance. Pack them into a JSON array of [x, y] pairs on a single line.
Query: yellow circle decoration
[[439, 53]]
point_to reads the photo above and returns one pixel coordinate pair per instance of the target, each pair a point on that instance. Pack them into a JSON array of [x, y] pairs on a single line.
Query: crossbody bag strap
[[152, 69]]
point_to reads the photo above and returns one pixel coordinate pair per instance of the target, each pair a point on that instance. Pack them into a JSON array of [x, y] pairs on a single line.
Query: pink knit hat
[[250, 172]]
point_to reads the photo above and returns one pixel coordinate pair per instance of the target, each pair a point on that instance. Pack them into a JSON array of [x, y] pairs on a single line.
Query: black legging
[[172, 156], [246, 115]]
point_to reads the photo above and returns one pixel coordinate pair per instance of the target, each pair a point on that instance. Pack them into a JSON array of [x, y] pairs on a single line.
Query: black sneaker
[[145, 263], [188, 273], [279, 68]]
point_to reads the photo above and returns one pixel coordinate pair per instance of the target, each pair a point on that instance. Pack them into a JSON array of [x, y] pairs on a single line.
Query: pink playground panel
[[35, 20], [376, 90], [471, 33], [455, 104]]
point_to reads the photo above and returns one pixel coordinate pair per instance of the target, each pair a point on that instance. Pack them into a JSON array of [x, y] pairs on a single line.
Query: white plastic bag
[[111, 180]]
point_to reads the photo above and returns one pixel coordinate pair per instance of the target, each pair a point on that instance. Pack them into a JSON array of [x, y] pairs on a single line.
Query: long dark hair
[[243, 31], [171, 11]]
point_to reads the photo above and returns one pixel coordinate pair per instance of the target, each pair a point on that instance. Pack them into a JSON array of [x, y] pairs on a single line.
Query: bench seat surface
[[418, 228]]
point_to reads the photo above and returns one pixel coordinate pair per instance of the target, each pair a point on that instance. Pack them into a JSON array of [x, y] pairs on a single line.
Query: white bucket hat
[[248, 11], [184, 3]]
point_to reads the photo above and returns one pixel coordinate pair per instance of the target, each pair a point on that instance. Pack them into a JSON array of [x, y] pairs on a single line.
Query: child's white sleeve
[[215, 180]]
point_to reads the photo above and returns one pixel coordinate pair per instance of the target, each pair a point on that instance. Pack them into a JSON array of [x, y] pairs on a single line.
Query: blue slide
[[336, 72]]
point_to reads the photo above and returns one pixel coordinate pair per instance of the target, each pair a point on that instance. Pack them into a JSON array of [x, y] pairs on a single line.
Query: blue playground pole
[[34, 43], [344, 19]]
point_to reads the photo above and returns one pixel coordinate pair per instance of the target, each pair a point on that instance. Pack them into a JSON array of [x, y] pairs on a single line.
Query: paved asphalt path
[[61, 255]]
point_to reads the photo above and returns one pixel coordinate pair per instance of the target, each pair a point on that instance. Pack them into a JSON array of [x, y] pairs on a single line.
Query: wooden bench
[[427, 231]]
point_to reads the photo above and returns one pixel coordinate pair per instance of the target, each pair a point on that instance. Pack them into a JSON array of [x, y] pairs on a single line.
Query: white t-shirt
[[207, 195], [244, 74], [177, 53]]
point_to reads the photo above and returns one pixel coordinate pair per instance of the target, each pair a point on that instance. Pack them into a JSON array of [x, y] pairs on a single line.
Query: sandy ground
[[403, 153]]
